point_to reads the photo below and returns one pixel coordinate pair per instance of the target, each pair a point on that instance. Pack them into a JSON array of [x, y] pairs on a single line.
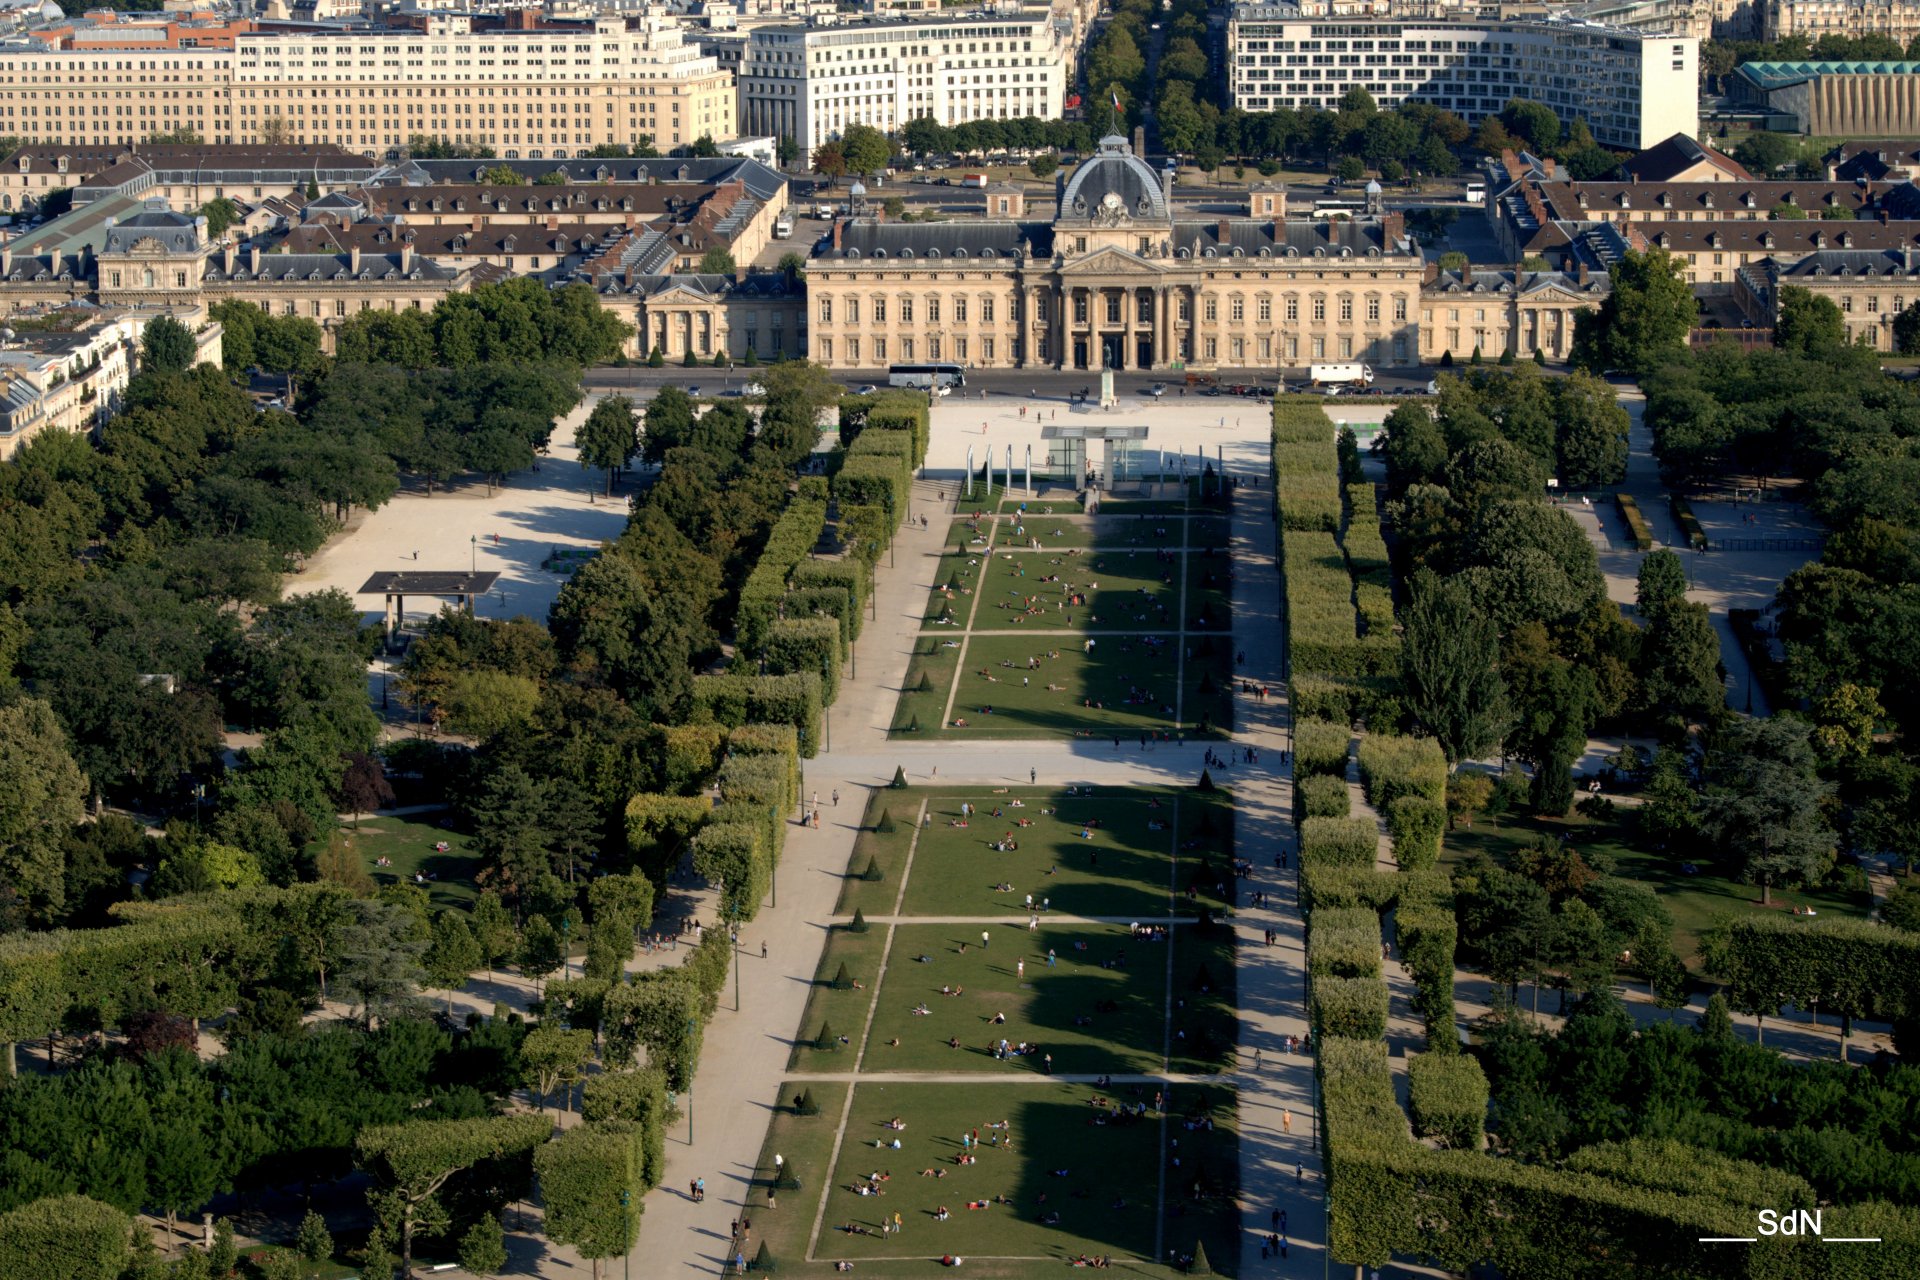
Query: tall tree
[[452, 955], [1645, 318], [509, 832], [590, 1185], [411, 1162], [166, 346], [1763, 802], [377, 948], [1808, 323], [42, 798], [609, 437], [1680, 672], [1450, 664], [551, 1054]]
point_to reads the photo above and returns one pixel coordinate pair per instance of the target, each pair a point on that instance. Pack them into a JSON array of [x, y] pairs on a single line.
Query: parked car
[[753, 389], [943, 182], [865, 389], [1157, 390]]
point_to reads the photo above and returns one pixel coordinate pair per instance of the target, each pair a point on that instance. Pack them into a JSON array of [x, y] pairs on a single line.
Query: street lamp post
[[733, 933]]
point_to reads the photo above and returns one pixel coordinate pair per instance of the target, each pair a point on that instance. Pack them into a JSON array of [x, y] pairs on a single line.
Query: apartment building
[[1870, 286], [810, 82], [61, 371], [521, 84], [1897, 19], [1632, 88]]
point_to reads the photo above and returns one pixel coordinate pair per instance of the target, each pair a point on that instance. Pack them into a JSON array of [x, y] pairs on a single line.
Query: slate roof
[[1578, 200], [1850, 262], [972, 239], [1873, 158], [1114, 172], [1525, 283], [1293, 239], [1664, 161], [176, 232], [300, 268]]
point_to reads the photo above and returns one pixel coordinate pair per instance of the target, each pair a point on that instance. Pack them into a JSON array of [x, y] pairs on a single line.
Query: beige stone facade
[[1115, 282], [526, 88], [1871, 288], [67, 380], [1897, 19], [1504, 311]]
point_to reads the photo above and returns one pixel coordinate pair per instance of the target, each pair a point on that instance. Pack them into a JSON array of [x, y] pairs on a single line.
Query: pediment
[[1108, 259], [680, 293]]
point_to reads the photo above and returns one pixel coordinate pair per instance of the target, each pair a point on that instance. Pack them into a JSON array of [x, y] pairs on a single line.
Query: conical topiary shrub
[[763, 1260], [899, 782], [788, 1180], [1202, 979], [1206, 682], [803, 1104], [925, 685], [842, 980], [884, 823], [656, 358], [913, 725], [1200, 1267], [824, 1041], [859, 924], [872, 874], [1206, 781]]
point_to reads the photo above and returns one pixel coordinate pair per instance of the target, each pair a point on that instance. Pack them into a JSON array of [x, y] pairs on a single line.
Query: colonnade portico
[[1152, 330]]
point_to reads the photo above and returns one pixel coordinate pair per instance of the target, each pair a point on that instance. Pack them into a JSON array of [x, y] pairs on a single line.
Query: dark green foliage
[[1448, 1098], [899, 778], [884, 823], [859, 922], [1323, 796], [804, 1105], [1199, 1266], [1206, 781], [842, 980], [872, 874], [825, 1041], [763, 1261]]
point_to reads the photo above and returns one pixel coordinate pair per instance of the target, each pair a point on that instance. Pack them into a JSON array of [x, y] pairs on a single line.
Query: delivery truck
[[1340, 375]]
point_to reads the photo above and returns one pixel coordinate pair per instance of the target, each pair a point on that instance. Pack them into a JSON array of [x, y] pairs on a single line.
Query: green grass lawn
[[1124, 869], [935, 659], [1112, 590], [1106, 675], [1077, 1179], [1694, 899], [1101, 1007], [845, 1009], [409, 847], [805, 1143]]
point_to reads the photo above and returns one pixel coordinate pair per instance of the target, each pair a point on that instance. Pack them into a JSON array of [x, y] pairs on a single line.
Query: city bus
[[927, 377], [1337, 205]]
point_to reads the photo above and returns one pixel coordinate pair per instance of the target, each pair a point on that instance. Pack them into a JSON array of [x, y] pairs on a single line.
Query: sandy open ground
[[532, 514]]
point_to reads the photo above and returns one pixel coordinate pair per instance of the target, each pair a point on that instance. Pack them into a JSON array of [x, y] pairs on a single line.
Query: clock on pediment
[[1112, 210]]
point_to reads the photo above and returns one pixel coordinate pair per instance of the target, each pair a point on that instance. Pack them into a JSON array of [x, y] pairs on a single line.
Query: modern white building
[[1633, 88], [809, 83]]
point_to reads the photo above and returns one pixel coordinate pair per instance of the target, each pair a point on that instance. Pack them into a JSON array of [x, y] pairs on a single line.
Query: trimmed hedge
[[807, 644], [1392, 766], [1355, 1007], [1345, 699], [65, 1238], [1331, 885], [1447, 1096], [1320, 747], [690, 753], [1323, 796], [824, 602], [734, 700], [1322, 628], [850, 576], [1343, 942], [1306, 468], [734, 854], [1639, 532], [793, 535], [1416, 824], [1689, 523], [1350, 842]]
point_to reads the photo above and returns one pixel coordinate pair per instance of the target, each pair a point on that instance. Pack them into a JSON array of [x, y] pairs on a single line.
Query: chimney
[[6, 257], [1393, 228], [837, 225], [406, 256], [1225, 233], [227, 256], [553, 222], [1166, 188], [1580, 271], [476, 223], [253, 258], [353, 259], [1549, 166], [1430, 272]]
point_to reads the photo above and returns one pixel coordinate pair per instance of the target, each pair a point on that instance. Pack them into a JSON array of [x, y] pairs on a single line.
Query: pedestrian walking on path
[[836, 797], [1256, 1059], [983, 939], [1286, 1120], [1033, 775], [763, 950]]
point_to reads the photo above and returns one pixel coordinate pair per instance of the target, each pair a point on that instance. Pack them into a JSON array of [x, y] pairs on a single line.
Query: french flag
[[1116, 100]]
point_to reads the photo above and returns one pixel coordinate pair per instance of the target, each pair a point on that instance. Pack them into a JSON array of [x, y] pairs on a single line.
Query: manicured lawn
[[935, 659], [887, 849], [1110, 674], [408, 845], [805, 1143], [845, 1010], [1114, 985], [1130, 590], [1078, 1179], [1122, 870], [1694, 899]]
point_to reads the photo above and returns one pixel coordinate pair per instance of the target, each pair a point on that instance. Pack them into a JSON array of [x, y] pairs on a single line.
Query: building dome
[[1114, 181], [857, 190], [1373, 188]]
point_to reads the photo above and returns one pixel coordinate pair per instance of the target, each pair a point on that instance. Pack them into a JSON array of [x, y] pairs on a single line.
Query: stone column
[[1096, 358], [1057, 331]]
